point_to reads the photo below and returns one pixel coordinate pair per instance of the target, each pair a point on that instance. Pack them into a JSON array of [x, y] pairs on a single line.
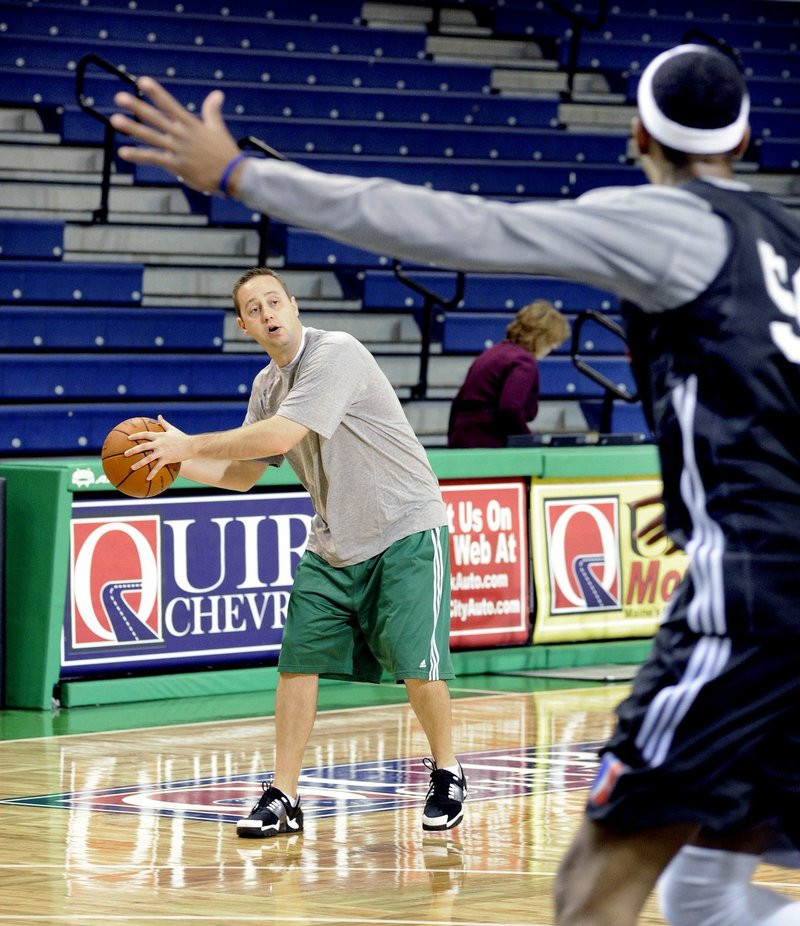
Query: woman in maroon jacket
[[500, 394]]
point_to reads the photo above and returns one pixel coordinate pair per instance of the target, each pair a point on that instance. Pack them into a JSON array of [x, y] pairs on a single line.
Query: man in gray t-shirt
[[372, 591], [357, 431]]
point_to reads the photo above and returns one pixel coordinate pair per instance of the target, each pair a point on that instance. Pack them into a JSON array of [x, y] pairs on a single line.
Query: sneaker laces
[[443, 781], [273, 804]]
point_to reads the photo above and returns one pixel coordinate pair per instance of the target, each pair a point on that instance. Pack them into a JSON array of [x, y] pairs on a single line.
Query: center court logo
[[583, 554], [115, 568]]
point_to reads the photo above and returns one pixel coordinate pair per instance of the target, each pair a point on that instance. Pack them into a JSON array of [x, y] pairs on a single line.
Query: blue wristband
[[229, 169]]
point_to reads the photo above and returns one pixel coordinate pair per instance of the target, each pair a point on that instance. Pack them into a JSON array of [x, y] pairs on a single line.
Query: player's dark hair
[[693, 100]]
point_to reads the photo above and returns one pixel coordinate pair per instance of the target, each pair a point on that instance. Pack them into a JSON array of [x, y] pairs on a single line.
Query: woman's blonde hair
[[537, 327]]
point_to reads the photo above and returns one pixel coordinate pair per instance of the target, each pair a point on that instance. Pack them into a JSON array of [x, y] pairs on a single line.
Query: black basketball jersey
[[720, 378]]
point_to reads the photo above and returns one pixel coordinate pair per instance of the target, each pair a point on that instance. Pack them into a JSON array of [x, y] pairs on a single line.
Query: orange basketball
[[117, 466]]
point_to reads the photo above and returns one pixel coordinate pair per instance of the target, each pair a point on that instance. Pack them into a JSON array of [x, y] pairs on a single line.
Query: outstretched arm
[[228, 459], [195, 149]]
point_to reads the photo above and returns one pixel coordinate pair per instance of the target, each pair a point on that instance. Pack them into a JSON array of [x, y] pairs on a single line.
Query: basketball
[[117, 466]]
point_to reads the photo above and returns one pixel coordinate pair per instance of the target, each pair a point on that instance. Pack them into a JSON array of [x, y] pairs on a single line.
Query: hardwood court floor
[[133, 825]]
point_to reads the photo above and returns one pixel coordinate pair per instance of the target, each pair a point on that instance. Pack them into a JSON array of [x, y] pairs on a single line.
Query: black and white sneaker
[[444, 805], [271, 815]]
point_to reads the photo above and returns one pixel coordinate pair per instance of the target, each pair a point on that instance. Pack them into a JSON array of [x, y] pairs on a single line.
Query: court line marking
[[478, 693], [261, 918], [104, 870]]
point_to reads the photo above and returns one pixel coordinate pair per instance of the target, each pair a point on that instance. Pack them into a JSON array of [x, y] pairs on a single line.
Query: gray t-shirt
[[368, 476], [658, 246]]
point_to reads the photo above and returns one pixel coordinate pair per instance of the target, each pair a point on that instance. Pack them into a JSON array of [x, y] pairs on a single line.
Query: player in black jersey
[[701, 779]]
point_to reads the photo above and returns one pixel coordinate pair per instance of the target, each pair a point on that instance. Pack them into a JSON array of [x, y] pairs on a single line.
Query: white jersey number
[[776, 277]]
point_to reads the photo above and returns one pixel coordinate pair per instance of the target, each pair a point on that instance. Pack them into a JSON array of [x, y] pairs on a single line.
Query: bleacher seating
[[33, 281], [485, 291], [472, 332], [103, 328], [134, 375], [75, 428], [86, 342], [21, 239], [137, 25]]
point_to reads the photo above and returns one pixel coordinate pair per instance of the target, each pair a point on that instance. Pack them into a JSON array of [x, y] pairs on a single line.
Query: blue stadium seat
[[271, 106], [29, 428], [669, 30], [559, 378], [492, 178], [31, 239], [532, 21], [626, 417], [142, 27], [316, 11], [779, 154], [41, 282], [377, 137], [307, 249], [473, 332], [51, 377], [770, 91], [620, 57], [775, 123], [102, 328], [216, 65], [484, 292]]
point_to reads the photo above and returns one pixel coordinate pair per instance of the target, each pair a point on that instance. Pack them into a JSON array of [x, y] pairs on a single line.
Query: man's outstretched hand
[[194, 149]]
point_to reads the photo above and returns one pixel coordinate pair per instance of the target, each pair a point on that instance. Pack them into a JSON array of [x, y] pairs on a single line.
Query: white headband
[[684, 137]]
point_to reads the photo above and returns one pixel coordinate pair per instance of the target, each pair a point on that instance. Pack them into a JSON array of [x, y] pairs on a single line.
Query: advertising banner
[[595, 579], [204, 581], [180, 581], [489, 563]]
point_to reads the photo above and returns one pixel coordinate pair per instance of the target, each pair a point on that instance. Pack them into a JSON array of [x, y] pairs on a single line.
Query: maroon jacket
[[499, 396]]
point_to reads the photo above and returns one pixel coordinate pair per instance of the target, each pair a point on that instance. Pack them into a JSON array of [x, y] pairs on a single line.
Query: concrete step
[[161, 245], [780, 185], [446, 373], [533, 81], [379, 331], [50, 159], [403, 16], [484, 50], [76, 202], [596, 116], [23, 123], [211, 286], [429, 417]]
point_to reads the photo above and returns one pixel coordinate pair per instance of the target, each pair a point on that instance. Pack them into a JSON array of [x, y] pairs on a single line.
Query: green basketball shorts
[[389, 613]]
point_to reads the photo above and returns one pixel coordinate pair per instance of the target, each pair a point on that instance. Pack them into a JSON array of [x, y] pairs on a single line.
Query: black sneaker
[[272, 815], [444, 806]]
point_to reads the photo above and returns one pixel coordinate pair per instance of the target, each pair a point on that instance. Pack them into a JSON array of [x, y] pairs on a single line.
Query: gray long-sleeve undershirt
[[658, 246]]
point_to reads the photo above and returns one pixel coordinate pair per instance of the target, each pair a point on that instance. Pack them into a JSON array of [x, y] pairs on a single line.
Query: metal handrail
[[431, 300], [578, 22], [611, 389], [101, 213]]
